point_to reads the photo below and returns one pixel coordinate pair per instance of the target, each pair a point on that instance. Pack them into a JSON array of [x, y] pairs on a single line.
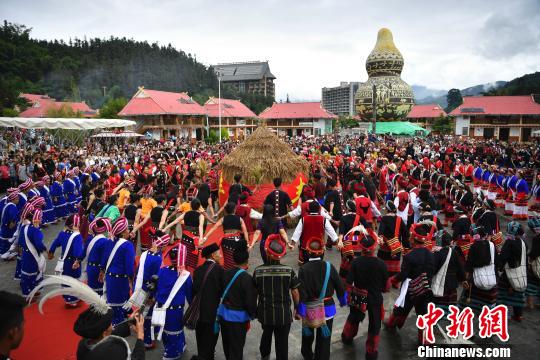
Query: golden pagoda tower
[[394, 97]]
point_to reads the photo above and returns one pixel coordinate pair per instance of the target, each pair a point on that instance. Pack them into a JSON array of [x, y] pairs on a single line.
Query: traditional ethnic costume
[[190, 238], [9, 218], [482, 254], [117, 264], [520, 204], [513, 256], [232, 237], [57, 195], [71, 242], [174, 288], [319, 281], [416, 272], [366, 282], [394, 238], [94, 251], [31, 244]]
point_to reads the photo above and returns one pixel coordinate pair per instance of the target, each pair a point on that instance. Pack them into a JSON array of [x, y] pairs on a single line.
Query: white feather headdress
[[66, 285]]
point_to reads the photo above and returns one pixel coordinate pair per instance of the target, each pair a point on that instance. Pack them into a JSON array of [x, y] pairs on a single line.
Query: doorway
[[489, 133], [526, 134], [504, 133]]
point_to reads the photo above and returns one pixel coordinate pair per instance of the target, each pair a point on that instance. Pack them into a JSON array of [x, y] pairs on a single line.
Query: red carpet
[[49, 336]]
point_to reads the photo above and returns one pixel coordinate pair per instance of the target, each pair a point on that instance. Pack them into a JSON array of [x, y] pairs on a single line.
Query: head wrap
[[120, 225], [12, 190], [73, 221], [244, 197], [37, 202], [130, 182], [46, 178], [13, 195], [39, 184], [275, 246], [105, 223], [58, 176], [26, 185], [27, 209], [162, 240], [315, 246], [177, 256], [514, 228], [368, 243], [38, 215], [91, 324]]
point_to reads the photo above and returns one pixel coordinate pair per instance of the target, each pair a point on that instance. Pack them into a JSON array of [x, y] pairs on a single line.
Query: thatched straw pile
[[261, 158]]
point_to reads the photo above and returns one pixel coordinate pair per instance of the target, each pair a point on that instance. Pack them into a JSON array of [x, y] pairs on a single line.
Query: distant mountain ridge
[[424, 95]]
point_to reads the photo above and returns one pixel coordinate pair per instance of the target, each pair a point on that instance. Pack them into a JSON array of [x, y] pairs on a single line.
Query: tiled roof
[[229, 108], [303, 110], [498, 105], [42, 105], [244, 71], [154, 102], [426, 111], [32, 98]]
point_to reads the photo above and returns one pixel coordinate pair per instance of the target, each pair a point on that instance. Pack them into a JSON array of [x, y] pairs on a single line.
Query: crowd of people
[[421, 215]]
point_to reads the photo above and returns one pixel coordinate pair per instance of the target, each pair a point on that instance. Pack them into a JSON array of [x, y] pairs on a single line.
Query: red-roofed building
[[424, 115], [235, 116], [42, 104], [166, 114], [507, 118], [292, 119]]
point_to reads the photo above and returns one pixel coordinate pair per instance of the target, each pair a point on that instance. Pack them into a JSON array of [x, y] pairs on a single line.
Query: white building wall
[[462, 122], [514, 131]]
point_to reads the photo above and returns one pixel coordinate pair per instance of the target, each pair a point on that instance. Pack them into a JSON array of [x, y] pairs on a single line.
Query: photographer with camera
[[99, 339]]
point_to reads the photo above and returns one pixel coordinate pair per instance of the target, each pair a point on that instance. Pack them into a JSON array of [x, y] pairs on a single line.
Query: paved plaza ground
[[524, 337]]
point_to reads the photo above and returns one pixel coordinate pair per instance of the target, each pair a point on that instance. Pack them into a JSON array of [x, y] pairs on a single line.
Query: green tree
[[454, 99], [63, 111], [111, 108], [443, 125]]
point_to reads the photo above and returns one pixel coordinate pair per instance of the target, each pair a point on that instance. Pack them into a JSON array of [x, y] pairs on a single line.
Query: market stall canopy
[[112, 134], [64, 123], [399, 128]]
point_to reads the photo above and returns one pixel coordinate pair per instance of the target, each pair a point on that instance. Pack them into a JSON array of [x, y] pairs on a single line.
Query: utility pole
[[219, 100], [374, 114]]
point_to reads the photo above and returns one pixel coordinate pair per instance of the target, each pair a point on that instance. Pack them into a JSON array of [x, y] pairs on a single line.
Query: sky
[[316, 43]]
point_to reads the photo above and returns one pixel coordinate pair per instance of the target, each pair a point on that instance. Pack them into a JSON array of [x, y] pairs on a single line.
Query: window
[[242, 86], [465, 131]]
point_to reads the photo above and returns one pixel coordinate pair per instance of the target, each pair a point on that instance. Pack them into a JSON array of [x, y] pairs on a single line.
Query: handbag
[[221, 308], [535, 266], [437, 282], [484, 277], [193, 312], [315, 317], [517, 277]]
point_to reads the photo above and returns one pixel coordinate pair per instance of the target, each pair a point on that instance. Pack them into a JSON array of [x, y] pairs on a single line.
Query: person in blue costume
[[49, 215], [24, 188], [69, 264], [57, 194], [9, 218], [70, 192], [77, 180], [173, 272], [32, 248], [117, 266], [101, 229], [149, 265]]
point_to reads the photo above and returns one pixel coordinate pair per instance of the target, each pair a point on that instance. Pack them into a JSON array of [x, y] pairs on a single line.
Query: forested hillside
[[96, 70]]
